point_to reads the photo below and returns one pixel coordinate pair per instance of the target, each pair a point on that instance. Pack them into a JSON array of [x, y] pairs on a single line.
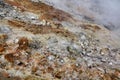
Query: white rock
[[31, 15], [51, 58], [83, 37]]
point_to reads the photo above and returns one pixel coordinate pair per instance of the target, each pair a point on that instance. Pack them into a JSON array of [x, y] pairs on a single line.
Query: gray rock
[[4, 29]]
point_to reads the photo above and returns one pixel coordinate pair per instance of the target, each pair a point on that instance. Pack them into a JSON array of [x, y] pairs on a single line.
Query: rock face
[[41, 42]]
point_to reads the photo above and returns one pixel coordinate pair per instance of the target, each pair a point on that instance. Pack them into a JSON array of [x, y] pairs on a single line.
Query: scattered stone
[[105, 51], [1, 48], [31, 16], [3, 37], [9, 57], [34, 69], [4, 29], [16, 41], [61, 60], [50, 58], [43, 22], [83, 37], [5, 74], [72, 50], [76, 55], [23, 43], [35, 44], [107, 77]]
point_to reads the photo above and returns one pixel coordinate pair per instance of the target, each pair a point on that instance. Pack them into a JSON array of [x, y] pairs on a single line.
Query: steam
[[104, 12], [110, 13]]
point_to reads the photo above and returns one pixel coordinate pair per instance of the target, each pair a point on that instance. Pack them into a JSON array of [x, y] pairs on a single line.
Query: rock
[[16, 40], [4, 29], [9, 57], [117, 73], [35, 0], [35, 44], [43, 22], [83, 37], [5, 74], [71, 50], [61, 61], [3, 37], [104, 51], [23, 43], [31, 16], [34, 69], [51, 58], [1, 48], [107, 77]]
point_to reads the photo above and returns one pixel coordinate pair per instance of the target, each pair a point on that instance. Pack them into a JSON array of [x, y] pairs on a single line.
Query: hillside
[[41, 41]]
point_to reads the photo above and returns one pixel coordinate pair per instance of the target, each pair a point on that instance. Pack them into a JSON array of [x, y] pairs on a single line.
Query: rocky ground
[[41, 42]]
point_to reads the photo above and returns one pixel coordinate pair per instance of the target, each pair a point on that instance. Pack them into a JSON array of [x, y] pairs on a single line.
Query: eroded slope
[[39, 42]]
